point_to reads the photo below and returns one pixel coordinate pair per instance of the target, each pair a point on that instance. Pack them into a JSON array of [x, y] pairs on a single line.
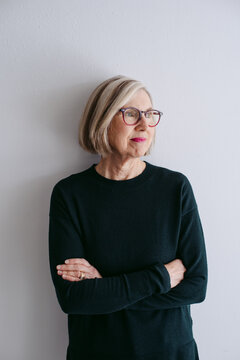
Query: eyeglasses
[[132, 115]]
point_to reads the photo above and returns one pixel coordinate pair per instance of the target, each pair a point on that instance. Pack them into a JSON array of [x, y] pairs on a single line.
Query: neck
[[120, 169]]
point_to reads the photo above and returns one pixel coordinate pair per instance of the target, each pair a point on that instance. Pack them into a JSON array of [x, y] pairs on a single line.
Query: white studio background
[[53, 54]]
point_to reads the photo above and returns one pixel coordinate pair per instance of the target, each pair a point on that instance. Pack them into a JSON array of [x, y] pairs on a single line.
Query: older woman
[[126, 244]]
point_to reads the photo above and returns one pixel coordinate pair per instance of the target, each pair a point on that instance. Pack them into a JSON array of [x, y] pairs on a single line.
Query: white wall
[[53, 53]]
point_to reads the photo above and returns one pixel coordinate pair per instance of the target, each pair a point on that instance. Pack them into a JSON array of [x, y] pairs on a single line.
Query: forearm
[[110, 294], [186, 293]]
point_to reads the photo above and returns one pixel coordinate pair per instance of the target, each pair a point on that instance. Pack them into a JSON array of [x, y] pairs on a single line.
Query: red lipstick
[[138, 139]]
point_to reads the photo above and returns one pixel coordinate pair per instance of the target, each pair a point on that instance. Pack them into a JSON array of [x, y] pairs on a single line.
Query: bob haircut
[[104, 102]]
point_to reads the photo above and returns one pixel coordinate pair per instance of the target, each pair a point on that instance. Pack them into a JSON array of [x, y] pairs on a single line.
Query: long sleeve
[[128, 230], [94, 296], [192, 252]]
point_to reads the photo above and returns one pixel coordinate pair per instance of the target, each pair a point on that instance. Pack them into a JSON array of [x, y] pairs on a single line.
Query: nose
[[142, 122]]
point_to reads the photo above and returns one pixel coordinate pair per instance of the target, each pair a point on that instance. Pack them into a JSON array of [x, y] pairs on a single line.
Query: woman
[[126, 245]]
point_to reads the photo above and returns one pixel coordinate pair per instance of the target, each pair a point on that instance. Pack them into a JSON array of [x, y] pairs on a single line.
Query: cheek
[[119, 133], [122, 139]]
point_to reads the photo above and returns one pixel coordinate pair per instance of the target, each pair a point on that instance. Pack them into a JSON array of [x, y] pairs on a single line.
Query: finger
[[79, 267], [70, 278], [76, 274], [77, 261], [71, 273]]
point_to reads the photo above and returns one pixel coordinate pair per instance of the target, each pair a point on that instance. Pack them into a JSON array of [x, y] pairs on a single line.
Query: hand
[[176, 271], [72, 270]]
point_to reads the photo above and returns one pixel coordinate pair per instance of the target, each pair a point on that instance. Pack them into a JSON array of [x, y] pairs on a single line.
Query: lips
[[138, 139]]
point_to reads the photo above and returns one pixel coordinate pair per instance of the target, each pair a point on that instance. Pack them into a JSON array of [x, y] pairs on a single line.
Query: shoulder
[[175, 183], [169, 176], [66, 191], [72, 182]]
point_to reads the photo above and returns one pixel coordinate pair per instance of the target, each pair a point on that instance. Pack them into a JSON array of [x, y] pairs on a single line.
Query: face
[[121, 135]]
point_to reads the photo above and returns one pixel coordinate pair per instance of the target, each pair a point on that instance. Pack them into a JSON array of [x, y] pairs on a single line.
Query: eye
[[131, 113]]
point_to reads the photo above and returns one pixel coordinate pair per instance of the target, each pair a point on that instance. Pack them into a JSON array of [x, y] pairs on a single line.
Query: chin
[[137, 153]]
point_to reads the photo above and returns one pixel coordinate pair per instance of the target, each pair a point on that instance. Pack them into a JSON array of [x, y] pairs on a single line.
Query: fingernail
[[66, 261], [59, 267]]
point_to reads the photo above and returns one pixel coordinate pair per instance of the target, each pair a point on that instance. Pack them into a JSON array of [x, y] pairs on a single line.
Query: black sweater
[[128, 230]]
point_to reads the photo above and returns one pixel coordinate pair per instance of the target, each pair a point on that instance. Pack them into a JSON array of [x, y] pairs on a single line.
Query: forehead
[[140, 100]]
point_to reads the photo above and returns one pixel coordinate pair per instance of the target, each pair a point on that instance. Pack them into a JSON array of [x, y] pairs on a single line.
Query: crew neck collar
[[128, 182]]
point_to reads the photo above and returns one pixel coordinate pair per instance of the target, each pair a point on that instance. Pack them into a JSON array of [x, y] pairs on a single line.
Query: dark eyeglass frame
[[140, 112]]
